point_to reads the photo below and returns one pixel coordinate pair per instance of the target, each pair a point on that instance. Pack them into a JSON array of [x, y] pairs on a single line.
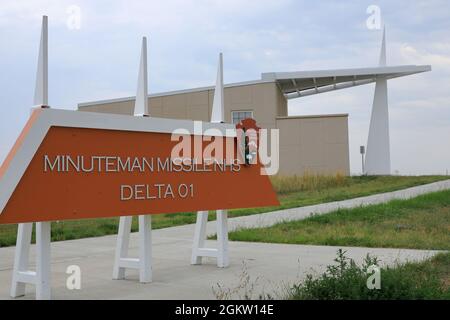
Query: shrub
[[345, 280]]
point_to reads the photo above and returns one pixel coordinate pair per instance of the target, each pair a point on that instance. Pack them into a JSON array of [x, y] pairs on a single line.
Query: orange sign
[[78, 173]]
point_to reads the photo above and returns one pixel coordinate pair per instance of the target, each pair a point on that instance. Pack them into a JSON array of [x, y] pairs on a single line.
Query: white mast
[[218, 110], [141, 103]]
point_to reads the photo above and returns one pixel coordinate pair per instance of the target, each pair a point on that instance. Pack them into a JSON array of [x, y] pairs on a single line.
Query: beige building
[[316, 144]]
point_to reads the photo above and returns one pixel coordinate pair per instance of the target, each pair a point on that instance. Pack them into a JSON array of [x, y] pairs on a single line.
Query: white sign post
[[198, 248], [21, 273], [144, 262]]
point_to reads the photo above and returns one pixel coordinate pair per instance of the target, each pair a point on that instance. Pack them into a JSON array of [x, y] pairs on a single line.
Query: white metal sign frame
[[42, 119]]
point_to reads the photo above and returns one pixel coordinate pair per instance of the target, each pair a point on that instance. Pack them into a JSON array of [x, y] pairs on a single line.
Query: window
[[238, 116]]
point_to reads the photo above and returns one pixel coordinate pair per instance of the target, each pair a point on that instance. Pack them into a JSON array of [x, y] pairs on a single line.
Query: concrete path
[[274, 217], [270, 266]]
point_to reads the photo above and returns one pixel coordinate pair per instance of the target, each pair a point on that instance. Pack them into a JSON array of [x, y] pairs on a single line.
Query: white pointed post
[[198, 249], [141, 103], [378, 158], [144, 262], [382, 61], [41, 89], [218, 110], [21, 273]]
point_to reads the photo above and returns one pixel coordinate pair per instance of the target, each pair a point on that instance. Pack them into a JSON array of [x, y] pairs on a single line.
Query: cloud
[[185, 36], [440, 62], [25, 14]]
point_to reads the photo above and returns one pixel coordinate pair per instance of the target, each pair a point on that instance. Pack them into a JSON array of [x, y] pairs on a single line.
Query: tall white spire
[[41, 89], [218, 110], [141, 103], [382, 62], [378, 157]]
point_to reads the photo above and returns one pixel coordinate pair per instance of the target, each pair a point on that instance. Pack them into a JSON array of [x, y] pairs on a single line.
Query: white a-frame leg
[[22, 274], [144, 262], [199, 250]]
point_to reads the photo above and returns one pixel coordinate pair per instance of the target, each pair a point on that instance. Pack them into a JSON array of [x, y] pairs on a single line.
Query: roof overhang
[[305, 83], [302, 83]]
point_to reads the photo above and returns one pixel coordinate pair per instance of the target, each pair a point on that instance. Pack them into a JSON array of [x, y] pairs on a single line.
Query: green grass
[[292, 192], [419, 223], [347, 281], [347, 188]]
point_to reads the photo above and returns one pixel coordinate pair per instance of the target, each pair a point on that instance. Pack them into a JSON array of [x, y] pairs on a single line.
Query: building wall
[[314, 143], [264, 99]]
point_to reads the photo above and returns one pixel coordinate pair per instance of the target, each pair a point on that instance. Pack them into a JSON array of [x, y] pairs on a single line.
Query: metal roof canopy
[[305, 83]]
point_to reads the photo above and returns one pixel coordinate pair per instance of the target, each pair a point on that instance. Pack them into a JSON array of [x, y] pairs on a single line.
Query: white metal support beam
[[122, 261], [21, 260], [222, 238], [144, 262], [378, 158], [328, 88], [294, 82], [198, 249], [199, 238], [145, 248], [43, 258], [21, 273], [122, 245]]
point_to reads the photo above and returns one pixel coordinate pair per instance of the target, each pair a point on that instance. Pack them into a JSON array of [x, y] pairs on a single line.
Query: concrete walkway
[[274, 217], [270, 266]]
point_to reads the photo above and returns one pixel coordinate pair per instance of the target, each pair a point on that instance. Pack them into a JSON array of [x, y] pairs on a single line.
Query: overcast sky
[[98, 59]]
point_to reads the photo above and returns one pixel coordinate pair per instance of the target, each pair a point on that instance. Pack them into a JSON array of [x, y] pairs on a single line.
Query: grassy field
[[419, 223], [345, 280], [292, 192]]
